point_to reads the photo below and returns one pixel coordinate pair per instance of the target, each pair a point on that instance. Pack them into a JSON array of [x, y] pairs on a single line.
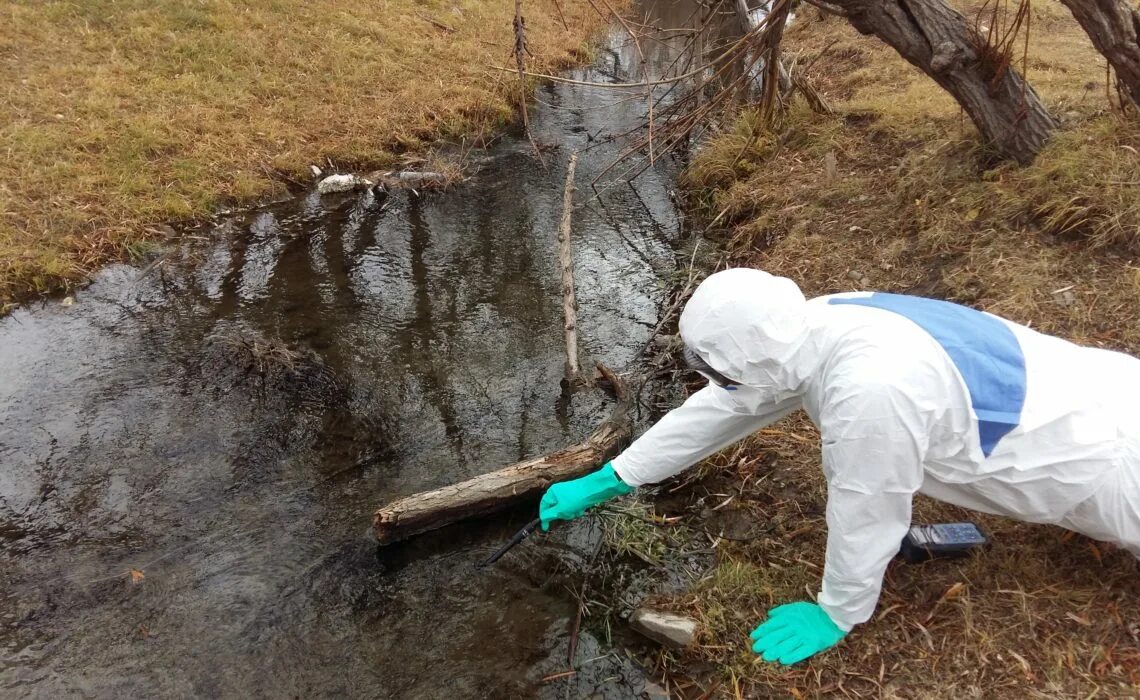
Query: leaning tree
[[1114, 27], [940, 41]]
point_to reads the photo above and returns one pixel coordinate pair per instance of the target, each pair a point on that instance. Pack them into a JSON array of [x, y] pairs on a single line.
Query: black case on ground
[[941, 541]]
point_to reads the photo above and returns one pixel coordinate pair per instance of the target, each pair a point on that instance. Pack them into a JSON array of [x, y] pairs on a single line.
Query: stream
[[190, 453]]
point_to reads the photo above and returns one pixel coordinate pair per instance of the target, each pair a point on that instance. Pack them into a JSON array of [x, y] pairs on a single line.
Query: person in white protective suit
[[910, 395]]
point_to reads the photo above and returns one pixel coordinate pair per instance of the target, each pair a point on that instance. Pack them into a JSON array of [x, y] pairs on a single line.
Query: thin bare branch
[[520, 51], [644, 69]]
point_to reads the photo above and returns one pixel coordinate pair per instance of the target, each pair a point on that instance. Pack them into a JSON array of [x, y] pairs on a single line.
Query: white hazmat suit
[[910, 395]]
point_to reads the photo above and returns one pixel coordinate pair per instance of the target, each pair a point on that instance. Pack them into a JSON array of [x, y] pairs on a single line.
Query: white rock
[[668, 629], [1064, 297], [315, 170], [341, 183]]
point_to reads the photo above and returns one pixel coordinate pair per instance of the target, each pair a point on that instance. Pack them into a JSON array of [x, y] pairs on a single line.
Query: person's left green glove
[[795, 631], [570, 499]]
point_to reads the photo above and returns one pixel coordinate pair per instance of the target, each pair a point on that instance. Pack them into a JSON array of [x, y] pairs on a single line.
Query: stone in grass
[[667, 629], [342, 183]]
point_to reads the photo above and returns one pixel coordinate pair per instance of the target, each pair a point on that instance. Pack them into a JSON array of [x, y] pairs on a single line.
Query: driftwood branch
[[511, 485], [566, 259]]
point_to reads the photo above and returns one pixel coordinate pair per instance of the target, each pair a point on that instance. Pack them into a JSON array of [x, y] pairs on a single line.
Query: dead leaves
[[1078, 619], [136, 576], [953, 592], [950, 594], [1025, 667]]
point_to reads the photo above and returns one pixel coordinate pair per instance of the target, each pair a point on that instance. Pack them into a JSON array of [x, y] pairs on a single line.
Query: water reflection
[[226, 428]]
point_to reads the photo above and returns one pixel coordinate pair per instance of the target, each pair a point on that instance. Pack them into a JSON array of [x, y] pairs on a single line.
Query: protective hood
[[752, 327]]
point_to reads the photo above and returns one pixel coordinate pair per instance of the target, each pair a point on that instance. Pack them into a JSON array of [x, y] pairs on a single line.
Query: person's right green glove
[[570, 499]]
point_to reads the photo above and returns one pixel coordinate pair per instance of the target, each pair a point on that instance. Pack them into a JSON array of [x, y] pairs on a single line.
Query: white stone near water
[[665, 628], [342, 183]]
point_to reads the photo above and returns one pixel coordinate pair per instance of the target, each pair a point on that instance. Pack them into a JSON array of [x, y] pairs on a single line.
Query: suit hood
[[752, 327]]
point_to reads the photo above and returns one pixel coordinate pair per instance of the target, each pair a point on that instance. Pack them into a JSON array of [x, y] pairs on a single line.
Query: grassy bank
[[894, 193], [119, 116]]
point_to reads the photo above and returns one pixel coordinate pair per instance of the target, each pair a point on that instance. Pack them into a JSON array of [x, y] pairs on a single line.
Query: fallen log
[[510, 485], [566, 261]]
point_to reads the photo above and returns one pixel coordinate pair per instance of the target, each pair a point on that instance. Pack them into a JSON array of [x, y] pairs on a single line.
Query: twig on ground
[[436, 23]]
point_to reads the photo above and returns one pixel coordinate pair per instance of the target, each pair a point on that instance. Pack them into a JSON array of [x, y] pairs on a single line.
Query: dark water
[[225, 424]]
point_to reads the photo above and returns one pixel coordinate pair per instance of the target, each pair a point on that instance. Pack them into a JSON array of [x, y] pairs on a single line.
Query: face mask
[[694, 361]]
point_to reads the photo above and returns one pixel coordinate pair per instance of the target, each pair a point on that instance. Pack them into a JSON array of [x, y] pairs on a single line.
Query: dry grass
[[911, 203], [911, 206], [118, 115], [920, 216], [1041, 613]]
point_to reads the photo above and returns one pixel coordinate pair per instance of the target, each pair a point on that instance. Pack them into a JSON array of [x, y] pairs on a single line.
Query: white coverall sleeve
[[874, 442], [710, 420]]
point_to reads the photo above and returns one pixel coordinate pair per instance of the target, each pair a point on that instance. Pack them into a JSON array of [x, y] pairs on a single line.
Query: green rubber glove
[[795, 631], [570, 499]]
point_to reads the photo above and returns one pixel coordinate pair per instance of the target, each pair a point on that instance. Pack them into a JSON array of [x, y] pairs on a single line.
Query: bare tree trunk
[[508, 486], [938, 40], [747, 24], [1114, 27]]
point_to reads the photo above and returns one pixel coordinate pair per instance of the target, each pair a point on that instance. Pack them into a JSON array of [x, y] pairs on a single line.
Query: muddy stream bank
[[189, 458]]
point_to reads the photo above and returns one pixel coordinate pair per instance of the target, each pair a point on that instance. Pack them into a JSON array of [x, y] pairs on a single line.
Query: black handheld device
[[518, 537], [941, 541]]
